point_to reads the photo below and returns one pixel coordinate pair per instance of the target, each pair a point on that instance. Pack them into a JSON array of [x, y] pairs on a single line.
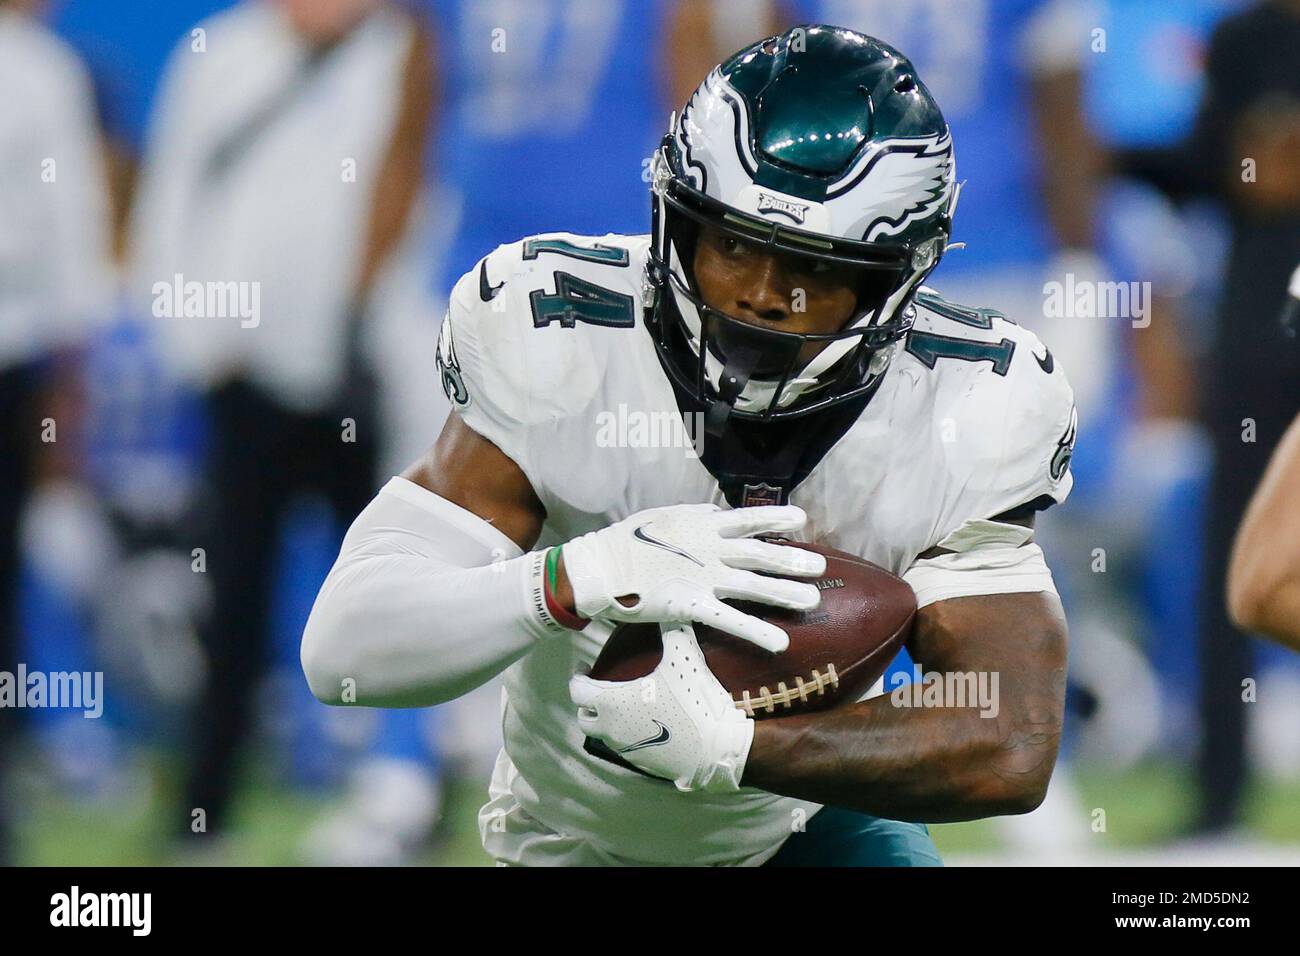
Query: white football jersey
[[544, 353]]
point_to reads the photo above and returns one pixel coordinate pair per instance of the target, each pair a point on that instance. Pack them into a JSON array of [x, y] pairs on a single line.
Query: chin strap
[[715, 419], [731, 384]]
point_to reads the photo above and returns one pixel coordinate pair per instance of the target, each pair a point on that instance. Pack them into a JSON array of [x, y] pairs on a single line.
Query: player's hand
[[674, 565], [678, 722]]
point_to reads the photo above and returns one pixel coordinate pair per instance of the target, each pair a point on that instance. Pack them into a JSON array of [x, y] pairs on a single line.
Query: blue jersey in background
[[1146, 90], [969, 54], [549, 113]]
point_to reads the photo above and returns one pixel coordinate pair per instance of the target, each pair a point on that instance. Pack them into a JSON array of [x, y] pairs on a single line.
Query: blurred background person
[[1151, 455], [1241, 153], [283, 164], [550, 113], [1250, 120], [53, 287]]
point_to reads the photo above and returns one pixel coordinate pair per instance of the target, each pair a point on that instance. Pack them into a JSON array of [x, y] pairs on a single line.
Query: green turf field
[[1146, 807]]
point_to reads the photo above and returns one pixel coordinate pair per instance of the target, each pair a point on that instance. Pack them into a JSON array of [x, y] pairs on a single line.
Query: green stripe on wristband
[[552, 568], [563, 615]]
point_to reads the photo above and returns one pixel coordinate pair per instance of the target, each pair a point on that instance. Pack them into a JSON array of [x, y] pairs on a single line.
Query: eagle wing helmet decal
[[908, 181]]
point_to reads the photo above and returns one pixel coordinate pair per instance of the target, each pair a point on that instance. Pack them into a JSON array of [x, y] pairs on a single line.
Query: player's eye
[[812, 267]]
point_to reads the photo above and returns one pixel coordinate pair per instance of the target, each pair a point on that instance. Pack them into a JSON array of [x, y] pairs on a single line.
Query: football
[[837, 650]]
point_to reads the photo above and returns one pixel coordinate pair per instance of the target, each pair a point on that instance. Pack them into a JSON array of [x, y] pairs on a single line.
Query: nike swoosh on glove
[[678, 722], [682, 560]]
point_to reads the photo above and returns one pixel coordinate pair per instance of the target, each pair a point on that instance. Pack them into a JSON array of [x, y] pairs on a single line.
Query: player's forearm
[[400, 176], [939, 763], [420, 608], [401, 631], [1264, 573], [1064, 137], [929, 765], [1278, 614]]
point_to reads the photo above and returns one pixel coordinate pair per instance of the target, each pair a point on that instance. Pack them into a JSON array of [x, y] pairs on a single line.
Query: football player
[[800, 199]]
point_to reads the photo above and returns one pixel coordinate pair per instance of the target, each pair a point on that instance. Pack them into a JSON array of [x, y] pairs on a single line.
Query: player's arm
[[433, 593], [701, 33], [987, 607], [1264, 574], [429, 596], [401, 172], [466, 469], [435, 589], [945, 763], [1050, 53]]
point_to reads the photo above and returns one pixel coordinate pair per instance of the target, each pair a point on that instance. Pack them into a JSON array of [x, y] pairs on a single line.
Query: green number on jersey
[[599, 252], [929, 348], [577, 300], [965, 314]]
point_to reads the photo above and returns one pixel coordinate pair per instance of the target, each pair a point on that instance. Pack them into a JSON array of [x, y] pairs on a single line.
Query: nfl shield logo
[[763, 494]]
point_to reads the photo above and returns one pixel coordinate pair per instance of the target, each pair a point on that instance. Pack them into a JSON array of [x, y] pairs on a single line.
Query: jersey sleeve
[[480, 353], [1013, 438], [1043, 424], [1011, 435], [995, 559], [511, 379]]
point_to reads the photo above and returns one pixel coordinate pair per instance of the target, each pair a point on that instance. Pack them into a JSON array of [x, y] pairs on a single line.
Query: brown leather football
[[837, 650]]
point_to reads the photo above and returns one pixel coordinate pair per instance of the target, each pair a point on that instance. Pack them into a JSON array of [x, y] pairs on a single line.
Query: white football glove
[[678, 722], [680, 561]]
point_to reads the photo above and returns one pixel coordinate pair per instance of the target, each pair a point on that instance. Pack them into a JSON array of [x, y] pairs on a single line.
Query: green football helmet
[[822, 143]]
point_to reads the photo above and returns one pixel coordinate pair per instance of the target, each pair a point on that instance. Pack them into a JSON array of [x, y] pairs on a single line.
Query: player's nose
[[766, 295]]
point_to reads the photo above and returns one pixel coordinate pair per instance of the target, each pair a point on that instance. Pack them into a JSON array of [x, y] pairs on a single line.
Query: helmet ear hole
[[906, 85]]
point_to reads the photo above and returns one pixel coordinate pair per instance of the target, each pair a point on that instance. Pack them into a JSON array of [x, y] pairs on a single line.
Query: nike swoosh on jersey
[[1046, 363], [486, 291], [652, 741], [640, 533]]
